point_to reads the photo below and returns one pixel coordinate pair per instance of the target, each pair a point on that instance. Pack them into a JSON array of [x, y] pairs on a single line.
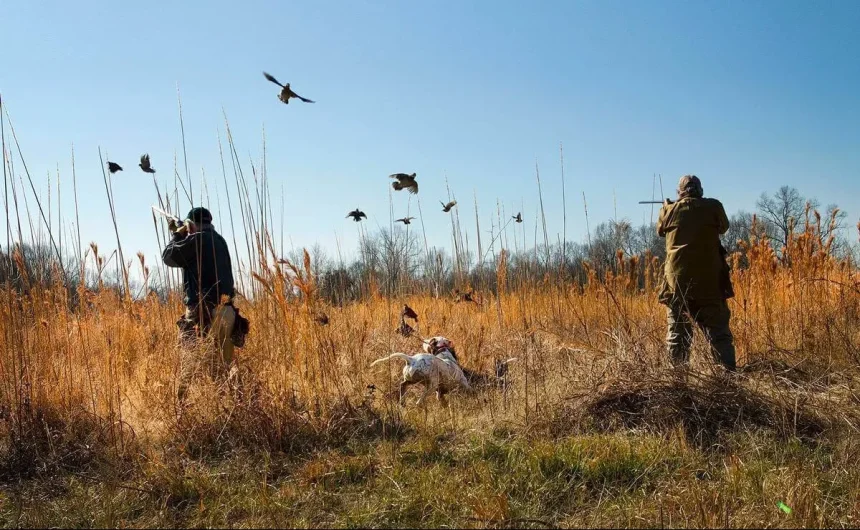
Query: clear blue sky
[[748, 95]]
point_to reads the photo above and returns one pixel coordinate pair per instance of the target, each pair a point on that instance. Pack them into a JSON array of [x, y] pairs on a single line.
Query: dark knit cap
[[199, 215]]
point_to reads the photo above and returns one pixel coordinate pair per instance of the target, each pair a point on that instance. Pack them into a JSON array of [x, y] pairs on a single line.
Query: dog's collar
[[450, 352]]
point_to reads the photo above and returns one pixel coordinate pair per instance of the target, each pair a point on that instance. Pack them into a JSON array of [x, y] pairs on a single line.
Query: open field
[[489, 172], [594, 427]]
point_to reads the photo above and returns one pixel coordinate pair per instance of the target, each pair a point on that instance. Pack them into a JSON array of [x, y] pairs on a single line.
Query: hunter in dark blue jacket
[[207, 276], [204, 258]]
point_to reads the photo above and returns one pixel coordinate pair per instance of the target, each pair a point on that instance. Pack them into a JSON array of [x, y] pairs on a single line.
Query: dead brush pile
[[707, 408]]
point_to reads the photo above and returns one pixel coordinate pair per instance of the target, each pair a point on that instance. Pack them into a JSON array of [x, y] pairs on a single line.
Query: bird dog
[[477, 380], [437, 369]]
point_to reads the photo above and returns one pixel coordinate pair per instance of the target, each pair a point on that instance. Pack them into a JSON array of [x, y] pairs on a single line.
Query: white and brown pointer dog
[[438, 369]]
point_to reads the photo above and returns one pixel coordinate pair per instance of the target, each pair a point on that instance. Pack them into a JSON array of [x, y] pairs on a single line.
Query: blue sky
[[748, 95]]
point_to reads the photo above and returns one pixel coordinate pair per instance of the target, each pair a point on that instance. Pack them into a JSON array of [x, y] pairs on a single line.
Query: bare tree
[[787, 209], [780, 212], [647, 240], [609, 237], [742, 226]]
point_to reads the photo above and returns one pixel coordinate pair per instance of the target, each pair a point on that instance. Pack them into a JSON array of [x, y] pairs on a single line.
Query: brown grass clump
[[44, 442], [708, 408], [248, 418]]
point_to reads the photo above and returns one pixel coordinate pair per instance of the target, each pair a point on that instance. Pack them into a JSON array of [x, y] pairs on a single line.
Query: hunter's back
[[692, 228]]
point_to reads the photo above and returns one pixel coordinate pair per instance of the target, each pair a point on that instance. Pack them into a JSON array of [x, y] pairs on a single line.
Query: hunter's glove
[[180, 228]]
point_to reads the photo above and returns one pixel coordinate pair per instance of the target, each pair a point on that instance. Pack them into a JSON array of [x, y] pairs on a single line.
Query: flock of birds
[[409, 181], [402, 181]]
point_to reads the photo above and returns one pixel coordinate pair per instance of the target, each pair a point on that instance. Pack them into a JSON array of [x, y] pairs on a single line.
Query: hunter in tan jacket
[[696, 282]]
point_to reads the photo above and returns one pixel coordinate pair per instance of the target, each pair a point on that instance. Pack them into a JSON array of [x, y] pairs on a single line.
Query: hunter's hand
[[173, 224], [667, 202]]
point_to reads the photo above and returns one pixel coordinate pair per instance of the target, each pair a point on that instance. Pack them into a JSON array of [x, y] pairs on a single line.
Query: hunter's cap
[[690, 186], [199, 216]]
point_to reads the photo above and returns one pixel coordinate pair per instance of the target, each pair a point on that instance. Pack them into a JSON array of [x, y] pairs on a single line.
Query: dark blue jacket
[[204, 258]]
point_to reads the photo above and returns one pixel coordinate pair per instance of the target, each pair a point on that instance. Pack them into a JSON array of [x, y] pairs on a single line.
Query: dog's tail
[[403, 356]]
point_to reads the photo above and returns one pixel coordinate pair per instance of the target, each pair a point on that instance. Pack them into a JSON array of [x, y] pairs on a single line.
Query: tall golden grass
[[113, 361]]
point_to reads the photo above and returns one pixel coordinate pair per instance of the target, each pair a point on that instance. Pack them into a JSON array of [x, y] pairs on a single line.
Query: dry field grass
[[594, 429]]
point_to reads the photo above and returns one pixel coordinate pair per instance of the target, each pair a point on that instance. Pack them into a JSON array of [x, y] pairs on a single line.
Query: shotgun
[[173, 221]]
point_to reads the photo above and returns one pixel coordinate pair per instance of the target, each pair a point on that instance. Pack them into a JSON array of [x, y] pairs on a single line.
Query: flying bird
[[286, 92], [408, 312], [447, 207], [405, 220], [357, 215], [113, 167], [145, 164], [518, 218], [405, 181], [465, 297]]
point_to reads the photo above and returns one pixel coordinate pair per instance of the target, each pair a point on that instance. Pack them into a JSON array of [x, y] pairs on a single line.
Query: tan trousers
[[209, 349]]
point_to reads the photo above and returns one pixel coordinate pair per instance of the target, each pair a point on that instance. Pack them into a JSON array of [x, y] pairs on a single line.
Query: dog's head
[[435, 345]]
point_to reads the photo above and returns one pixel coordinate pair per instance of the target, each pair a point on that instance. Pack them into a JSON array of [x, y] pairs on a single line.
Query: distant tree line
[[396, 262]]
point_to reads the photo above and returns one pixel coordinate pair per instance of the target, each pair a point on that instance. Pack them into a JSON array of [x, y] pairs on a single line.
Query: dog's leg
[[427, 388], [404, 386], [430, 386]]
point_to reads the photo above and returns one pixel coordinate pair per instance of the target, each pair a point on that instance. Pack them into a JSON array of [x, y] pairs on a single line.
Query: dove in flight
[[408, 312], [357, 215], [286, 92], [145, 164], [405, 181]]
